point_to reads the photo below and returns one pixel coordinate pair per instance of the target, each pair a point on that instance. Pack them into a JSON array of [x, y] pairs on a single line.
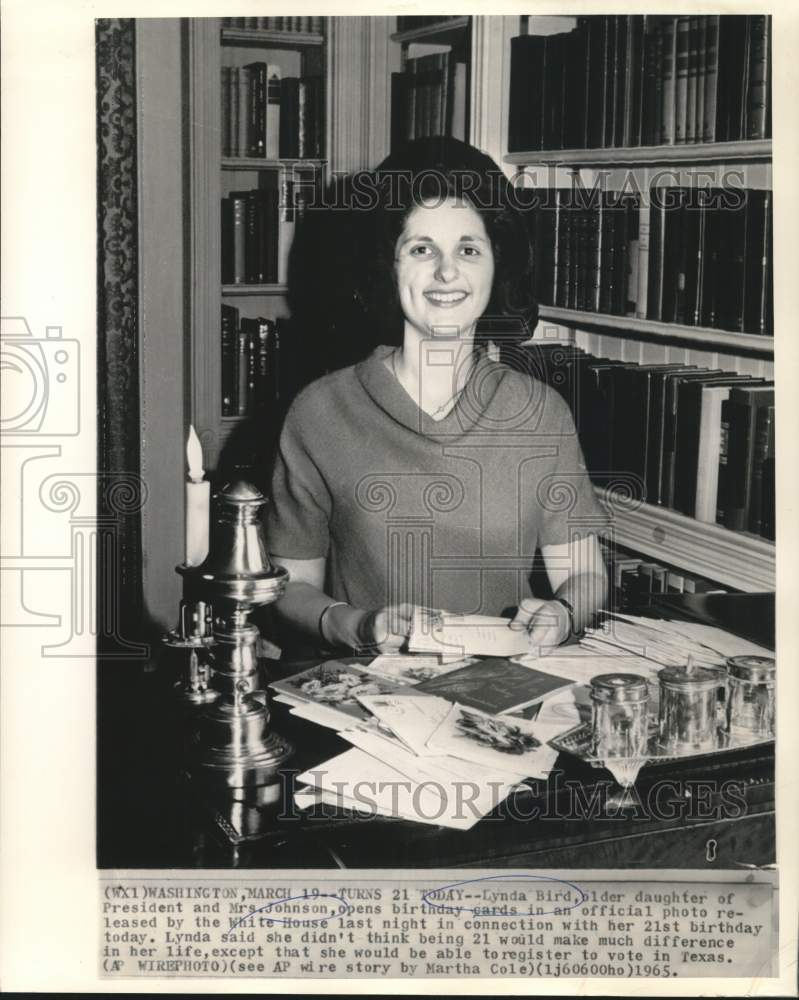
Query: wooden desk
[[702, 813]]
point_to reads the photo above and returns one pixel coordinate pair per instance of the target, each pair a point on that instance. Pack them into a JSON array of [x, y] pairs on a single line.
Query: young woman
[[429, 474]]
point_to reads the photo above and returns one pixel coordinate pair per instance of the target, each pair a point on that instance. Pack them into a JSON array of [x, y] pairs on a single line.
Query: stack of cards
[[432, 761]]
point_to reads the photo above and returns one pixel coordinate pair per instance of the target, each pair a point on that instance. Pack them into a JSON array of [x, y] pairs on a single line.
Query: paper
[[464, 635], [412, 718], [459, 792], [512, 745], [404, 669], [376, 786]]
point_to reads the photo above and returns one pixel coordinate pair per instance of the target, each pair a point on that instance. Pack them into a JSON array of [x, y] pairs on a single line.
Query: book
[[711, 78], [598, 53], [739, 412], [687, 470], [256, 104], [228, 369], [495, 685], [526, 86], [289, 135], [669, 76], [272, 124], [693, 74], [761, 495], [683, 30], [243, 117], [709, 448]]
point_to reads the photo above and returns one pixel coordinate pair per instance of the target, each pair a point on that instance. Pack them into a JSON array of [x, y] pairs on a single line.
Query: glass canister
[[687, 719], [750, 696], [619, 715]]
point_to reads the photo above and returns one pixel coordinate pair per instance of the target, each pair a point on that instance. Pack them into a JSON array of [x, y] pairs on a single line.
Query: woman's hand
[[386, 629], [547, 623]]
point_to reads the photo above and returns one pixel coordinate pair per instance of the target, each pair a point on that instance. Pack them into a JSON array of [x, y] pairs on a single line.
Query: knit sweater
[[442, 513]]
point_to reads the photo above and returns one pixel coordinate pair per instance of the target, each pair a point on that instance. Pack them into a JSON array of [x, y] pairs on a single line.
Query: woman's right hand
[[386, 629]]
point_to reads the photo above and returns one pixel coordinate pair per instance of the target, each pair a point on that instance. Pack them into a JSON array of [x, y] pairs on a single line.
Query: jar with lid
[[620, 715], [687, 720], [750, 697]]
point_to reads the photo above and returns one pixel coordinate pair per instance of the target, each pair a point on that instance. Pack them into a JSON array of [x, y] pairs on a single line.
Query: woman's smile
[[445, 300]]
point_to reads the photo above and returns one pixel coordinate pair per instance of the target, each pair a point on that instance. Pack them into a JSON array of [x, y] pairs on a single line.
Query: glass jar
[[750, 696], [687, 719], [619, 715]]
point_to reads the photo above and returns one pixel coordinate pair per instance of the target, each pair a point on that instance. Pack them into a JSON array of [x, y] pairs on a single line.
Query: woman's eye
[[421, 250], [470, 251]]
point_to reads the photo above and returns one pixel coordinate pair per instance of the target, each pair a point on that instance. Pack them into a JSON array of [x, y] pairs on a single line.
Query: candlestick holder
[[193, 639], [235, 759]]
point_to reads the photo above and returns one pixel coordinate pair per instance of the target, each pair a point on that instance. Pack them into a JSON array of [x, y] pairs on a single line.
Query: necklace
[[445, 407]]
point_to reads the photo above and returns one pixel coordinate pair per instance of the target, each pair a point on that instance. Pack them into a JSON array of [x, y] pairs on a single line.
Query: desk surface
[[710, 812]]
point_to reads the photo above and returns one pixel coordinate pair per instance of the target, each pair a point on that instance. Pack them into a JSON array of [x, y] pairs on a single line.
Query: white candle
[[198, 503]]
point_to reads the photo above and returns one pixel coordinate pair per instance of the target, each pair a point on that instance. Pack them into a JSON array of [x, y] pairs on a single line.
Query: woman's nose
[[446, 269]]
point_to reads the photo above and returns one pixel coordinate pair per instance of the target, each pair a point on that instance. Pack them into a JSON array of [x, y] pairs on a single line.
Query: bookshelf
[[214, 174], [695, 154], [431, 91], [734, 558]]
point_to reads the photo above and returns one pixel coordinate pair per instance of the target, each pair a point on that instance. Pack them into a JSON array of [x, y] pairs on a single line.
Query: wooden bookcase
[[212, 177], [736, 559]]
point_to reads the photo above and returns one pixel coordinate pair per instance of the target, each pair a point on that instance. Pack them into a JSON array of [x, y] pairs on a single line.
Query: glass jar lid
[[681, 678], [619, 688], [755, 669]]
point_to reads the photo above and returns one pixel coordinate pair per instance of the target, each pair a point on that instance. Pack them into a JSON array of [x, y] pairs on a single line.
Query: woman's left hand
[[547, 624]]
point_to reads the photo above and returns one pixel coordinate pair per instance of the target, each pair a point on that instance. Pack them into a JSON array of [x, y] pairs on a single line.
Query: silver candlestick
[[235, 758]]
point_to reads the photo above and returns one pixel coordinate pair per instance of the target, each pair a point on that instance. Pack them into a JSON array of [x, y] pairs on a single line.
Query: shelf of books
[[430, 94], [257, 139], [658, 282]]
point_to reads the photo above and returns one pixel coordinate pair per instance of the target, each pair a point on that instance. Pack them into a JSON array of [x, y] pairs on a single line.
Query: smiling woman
[[424, 475]]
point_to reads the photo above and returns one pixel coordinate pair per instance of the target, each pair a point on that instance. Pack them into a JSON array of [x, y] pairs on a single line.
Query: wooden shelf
[[258, 163], [438, 32], [751, 150], [254, 289], [700, 335], [271, 39], [734, 558]]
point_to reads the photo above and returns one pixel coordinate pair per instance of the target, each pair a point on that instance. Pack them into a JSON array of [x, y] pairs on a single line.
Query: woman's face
[[444, 268]]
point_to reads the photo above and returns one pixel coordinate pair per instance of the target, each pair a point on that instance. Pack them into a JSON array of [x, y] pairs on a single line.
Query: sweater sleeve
[[567, 494], [298, 518]]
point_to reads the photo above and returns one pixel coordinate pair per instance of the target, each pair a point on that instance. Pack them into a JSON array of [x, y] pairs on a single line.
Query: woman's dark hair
[[433, 170]]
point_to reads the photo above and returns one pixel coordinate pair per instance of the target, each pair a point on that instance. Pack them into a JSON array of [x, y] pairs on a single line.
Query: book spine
[[649, 136], [234, 111], [701, 78], [266, 374], [763, 445], [252, 371], [288, 135], [758, 77], [597, 79], [681, 80], [241, 374], [272, 137], [709, 113], [667, 135], [254, 263], [286, 234], [740, 441], [657, 115], [693, 74], [225, 112], [228, 361], [239, 240], [657, 236], [612, 72], [642, 292], [244, 111], [257, 106]]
